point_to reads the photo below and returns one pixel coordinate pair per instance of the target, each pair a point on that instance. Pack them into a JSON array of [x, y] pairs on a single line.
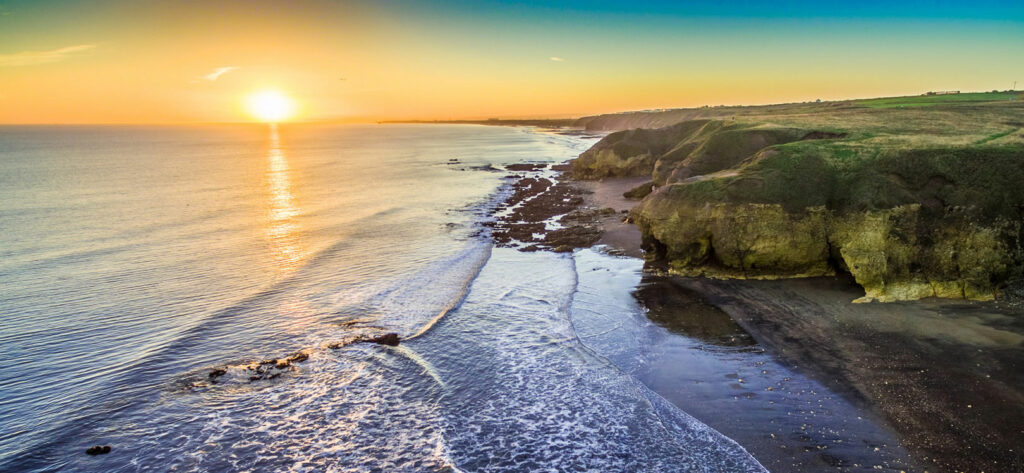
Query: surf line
[[456, 301], [662, 408]]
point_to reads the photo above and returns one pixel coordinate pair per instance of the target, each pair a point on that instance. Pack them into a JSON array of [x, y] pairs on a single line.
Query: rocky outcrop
[[764, 201], [641, 191], [630, 152], [389, 339], [894, 254], [98, 450], [903, 254], [727, 240]]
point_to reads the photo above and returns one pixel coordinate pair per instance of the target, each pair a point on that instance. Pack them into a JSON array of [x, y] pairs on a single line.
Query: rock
[[639, 192], [628, 153], [892, 254], [98, 450], [894, 258], [342, 343], [525, 167], [748, 241], [568, 238], [217, 372], [389, 339], [273, 368]]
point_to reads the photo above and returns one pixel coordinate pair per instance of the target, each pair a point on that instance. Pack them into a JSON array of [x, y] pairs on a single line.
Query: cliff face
[[631, 152], [908, 218]]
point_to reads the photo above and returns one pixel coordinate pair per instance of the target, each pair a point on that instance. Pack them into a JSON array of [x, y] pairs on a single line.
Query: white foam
[[525, 395]]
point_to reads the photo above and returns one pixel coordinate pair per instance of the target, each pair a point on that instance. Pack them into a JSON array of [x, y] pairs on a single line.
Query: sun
[[270, 106]]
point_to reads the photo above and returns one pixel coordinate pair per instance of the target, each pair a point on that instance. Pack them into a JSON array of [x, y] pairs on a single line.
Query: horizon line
[[385, 120]]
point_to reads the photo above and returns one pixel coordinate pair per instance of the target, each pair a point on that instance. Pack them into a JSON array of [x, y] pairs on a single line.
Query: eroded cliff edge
[[912, 203]]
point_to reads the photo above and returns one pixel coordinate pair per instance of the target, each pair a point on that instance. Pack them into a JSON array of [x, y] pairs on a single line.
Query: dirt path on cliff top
[[947, 375]]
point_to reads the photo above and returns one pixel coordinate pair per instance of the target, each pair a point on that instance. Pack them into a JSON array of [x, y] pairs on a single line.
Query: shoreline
[[905, 367], [943, 374]]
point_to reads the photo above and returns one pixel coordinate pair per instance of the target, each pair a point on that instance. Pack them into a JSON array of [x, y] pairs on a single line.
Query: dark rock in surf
[[525, 167], [389, 339], [98, 450]]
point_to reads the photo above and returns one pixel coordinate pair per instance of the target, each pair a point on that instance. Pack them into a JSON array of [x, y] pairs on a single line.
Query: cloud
[[556, 59], [218, 72], [32, 58]]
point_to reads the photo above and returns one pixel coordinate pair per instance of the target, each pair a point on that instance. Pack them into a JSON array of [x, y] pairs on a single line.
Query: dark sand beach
[[945, 375]]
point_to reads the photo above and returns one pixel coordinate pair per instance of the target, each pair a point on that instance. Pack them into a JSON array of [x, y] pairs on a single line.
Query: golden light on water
[[283, 230], [270, 106]]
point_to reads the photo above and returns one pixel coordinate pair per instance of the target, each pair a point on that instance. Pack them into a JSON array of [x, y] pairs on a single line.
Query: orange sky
[[190, 62]]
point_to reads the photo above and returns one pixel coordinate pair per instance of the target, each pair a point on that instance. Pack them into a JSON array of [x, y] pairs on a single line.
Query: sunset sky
[[181, 62]]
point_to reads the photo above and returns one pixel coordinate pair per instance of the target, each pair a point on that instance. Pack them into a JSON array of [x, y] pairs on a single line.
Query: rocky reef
[[910, 213]]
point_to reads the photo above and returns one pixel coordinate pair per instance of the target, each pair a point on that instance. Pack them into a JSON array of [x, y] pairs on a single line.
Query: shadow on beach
[[946, 376]]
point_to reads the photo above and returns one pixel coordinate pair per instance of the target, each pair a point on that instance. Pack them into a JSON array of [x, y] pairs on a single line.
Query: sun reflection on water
[[283, 230]]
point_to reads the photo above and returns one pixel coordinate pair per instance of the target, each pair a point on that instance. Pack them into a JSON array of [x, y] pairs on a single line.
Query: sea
[[146, 274]]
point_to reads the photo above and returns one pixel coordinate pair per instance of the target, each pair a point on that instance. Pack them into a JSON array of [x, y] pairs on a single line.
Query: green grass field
[[931, 100], [842, 113]]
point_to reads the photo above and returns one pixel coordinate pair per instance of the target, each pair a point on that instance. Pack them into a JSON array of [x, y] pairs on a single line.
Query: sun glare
[[270, 106]]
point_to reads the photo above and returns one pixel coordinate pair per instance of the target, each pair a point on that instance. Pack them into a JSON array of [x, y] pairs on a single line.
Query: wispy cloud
[[556, 59], [219, 72], [32, 58]]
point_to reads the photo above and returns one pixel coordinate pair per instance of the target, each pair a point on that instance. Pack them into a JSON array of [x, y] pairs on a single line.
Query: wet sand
[[710, 366], [617, 234], [945, 375]]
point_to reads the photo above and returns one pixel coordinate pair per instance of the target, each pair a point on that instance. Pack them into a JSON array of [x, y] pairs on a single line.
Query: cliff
[[912, 203]]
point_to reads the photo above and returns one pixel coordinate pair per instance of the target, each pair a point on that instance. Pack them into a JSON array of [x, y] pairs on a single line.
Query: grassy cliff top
[[936, 150], [898, 114]]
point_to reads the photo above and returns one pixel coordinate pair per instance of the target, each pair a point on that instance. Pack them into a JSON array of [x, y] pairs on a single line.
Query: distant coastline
[[543, 123], [658, 118]]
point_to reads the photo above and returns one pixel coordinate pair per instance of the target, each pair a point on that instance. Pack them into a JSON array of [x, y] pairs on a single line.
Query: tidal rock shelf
[[546, 212]]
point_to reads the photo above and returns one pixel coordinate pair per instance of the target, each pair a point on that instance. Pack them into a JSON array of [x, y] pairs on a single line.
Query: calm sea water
[[133, 260]]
